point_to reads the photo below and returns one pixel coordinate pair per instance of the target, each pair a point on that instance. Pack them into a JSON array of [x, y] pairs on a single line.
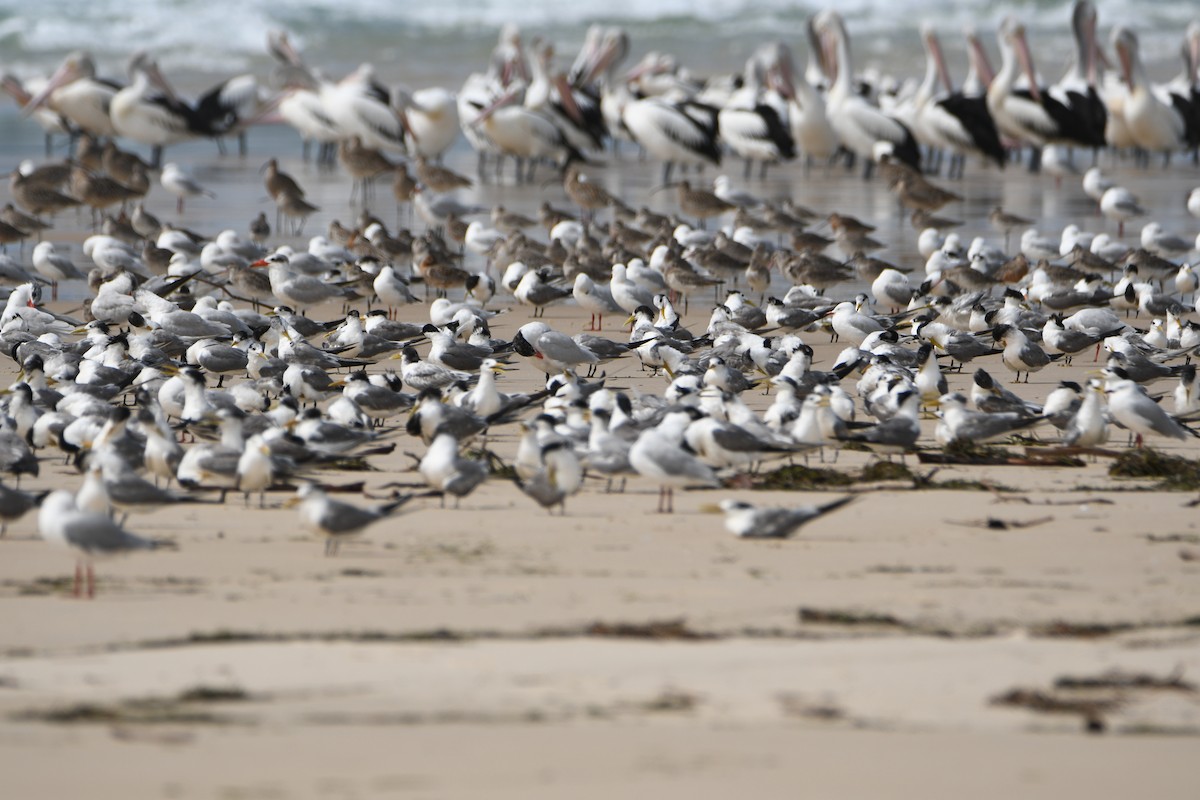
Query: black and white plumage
[[337, 520], [859, 125], [676, 130], [1033, 115], [750, 522]]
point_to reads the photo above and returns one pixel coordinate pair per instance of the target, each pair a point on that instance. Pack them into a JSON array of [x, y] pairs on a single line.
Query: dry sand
[[495, 650]]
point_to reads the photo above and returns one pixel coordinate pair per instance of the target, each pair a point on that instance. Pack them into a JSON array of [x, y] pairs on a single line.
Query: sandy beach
[[1003, 631]]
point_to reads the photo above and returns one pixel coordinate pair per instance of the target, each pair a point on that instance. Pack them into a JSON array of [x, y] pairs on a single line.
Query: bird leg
[[91, 581]]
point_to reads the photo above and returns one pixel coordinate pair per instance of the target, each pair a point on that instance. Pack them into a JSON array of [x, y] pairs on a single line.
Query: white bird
[[747, 521], [658, 454], [1119, 204], [859, 125], [1129, 405], [362, 107], [430, 116], [595, 299], [1162, 243], [1193, 202], [674, 129], [74, 92], [90, 534], [54, 267], [148, 111], [335, 519], [181, 184], [1153, 125]]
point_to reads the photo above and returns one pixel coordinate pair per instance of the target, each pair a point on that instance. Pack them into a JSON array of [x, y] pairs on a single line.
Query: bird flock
[[203, 363]]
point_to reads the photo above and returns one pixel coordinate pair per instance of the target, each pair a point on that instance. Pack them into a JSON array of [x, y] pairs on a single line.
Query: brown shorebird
[[683, 280], [869, 268], [146, 224], [442, 276], [23, 221], [89, 153], [700, 203], [118, 227], [1006, 223], [1013, 270], [12, 235], [403, 186], [744, 219], [38, 198], [387, 246], [364, 164], [917, 192], [733, 249], [649, 221], [438, 178], [278, 184], [716, 263], [122, 165], [252, 284], [588, 195], [99, 192], [844, 223], [805, 241], [758, 271], [260, 229], [549, 216], [156, 258], [455, 228], [294, 208], [509, 221], [816, 270], [630, 237], [851, 243], [921, 220]]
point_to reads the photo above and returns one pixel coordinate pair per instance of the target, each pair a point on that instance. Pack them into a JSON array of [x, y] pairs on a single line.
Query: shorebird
[[91, 535], [748, 521], [181, 184], [336, 520], [658, 454]]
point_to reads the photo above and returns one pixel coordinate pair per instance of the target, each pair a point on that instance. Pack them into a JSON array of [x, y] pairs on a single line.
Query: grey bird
[[335, 519], [749, 522], [90, 534]]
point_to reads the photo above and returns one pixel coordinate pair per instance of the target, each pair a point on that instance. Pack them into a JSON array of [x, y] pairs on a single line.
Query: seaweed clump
[[1174, 473]]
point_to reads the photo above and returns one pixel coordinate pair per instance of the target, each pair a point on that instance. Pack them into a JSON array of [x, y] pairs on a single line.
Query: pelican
[[1032, 115], [860, 125], [51, 121], [150, 117], [301, 102], [1153, 125], [431, 118], [522, 131], [752, 122], [953, 120], [362, 107], [1076, 90], [806, 113], [76, 93], [675, 129], [229, 108]]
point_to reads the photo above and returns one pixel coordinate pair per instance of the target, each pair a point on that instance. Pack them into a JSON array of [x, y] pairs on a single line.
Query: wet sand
[[497, 650]]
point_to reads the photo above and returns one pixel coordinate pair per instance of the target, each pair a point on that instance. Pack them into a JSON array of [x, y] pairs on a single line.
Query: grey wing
[[345, 518], [98, 535], [778, 523]]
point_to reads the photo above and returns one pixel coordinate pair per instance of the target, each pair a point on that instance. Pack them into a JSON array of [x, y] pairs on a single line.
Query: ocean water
[[423, 42]]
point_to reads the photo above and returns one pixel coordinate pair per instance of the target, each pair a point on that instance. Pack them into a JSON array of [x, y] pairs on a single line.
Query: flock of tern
[[277, 362]]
